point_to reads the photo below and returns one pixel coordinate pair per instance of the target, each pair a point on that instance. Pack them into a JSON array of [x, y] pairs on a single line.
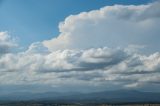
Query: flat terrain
[[67, 104]]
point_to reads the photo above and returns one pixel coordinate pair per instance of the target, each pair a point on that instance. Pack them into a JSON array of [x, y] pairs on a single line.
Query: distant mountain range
[[118, 96]]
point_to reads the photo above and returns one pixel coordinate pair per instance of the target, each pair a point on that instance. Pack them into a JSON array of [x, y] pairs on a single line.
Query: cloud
[[94, 66], [6, 43], [111, 26], [91, 51]]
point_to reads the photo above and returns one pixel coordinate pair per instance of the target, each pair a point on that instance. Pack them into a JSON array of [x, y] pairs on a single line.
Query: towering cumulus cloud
[[110, 26], [91, 51]]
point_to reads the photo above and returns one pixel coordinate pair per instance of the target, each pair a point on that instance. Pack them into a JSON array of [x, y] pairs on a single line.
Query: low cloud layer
[[95, 66], [90, 52]]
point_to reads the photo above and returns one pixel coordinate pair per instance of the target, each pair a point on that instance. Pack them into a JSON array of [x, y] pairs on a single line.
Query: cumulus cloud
[[6, 43], [110, 26], [91, 50], [95, 66]]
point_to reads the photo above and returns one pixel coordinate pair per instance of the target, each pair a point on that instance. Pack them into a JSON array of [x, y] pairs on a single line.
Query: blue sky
[[36, 20]]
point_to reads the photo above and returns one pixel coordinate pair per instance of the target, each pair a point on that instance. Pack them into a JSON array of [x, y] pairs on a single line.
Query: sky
[[85, 46], [36, 20]]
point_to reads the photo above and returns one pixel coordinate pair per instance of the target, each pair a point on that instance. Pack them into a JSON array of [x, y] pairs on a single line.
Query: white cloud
[[111, 26], [6, 43], [91, 66]]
